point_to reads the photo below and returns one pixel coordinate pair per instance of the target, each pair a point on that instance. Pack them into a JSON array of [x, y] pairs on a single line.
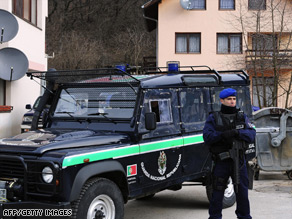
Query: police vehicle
[[110, 136], [27, 117]]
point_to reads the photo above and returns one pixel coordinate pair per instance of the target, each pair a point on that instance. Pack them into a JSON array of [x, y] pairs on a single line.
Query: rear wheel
[[229, 194], [99, 199]]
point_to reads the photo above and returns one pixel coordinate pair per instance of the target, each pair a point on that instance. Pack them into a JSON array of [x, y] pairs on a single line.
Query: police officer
[[221, 128]]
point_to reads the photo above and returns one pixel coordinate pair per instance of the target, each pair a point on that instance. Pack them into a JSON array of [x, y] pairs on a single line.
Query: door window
[[195, 108], [164, 103], [162, 109]]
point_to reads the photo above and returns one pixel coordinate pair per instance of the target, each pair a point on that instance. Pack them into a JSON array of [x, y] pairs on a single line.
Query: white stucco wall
[[31, 41]]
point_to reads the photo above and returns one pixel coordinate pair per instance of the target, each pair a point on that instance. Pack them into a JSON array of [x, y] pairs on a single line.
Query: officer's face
[[229, 101]]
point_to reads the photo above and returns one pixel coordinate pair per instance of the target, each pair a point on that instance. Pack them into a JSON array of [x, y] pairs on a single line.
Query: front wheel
[[99, 199], [229, 194]]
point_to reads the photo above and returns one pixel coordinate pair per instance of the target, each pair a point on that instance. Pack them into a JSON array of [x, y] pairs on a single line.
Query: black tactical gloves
[[229, 134]]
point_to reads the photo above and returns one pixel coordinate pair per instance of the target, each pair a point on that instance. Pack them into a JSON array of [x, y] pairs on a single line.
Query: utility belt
[[221, 156], [225, 155]]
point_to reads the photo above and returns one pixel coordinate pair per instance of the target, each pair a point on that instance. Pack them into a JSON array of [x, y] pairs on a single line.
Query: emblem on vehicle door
[[162, 163]]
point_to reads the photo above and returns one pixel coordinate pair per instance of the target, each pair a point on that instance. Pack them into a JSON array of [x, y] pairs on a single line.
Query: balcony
[[264, 59]]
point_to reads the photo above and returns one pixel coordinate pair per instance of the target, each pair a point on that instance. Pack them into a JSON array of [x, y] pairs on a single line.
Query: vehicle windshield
[[242, 101], [36, 103], [96, 102]]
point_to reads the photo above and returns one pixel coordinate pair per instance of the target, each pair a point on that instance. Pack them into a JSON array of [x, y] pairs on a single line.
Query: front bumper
[[34, 210]]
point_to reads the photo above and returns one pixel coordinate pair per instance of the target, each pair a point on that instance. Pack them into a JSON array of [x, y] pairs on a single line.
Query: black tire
[[147, 197], [99, 198], [229, 194], [289, 174]]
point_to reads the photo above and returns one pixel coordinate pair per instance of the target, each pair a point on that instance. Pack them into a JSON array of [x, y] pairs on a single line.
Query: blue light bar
[[121, 67], [173, 66]]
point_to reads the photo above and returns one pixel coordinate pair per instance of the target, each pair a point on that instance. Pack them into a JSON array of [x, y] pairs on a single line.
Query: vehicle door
[[160, 149], [195, 108]]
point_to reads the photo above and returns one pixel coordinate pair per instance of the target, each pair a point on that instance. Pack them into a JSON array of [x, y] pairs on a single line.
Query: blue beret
[[227, 93]]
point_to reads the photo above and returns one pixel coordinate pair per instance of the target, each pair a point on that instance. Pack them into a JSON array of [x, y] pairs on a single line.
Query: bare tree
[[267, 33], [80, 53], [89, 33]]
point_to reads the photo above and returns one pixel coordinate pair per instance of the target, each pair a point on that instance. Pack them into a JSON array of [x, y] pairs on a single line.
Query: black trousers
[[224, 170]]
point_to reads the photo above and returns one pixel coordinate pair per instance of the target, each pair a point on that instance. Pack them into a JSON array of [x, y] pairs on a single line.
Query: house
[[254, 35], [30, 39]]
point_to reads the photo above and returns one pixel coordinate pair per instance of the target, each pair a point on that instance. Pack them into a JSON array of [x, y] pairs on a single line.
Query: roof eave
[[150, 13]]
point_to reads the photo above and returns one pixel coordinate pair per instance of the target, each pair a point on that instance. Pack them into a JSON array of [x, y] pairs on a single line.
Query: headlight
[[47, 174], [27, 118]]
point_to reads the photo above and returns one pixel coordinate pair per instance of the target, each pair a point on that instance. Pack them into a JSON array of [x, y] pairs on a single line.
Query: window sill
[[6, 109], [226, 9], [229, 53]]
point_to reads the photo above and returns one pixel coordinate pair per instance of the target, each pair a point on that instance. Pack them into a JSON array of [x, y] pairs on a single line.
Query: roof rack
[[157, 70], [236, 71], [84, 76], [183, 70], [239, 72]]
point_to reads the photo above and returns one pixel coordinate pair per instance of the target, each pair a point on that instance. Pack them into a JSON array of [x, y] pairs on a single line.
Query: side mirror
[[150, 121], [28, 106]]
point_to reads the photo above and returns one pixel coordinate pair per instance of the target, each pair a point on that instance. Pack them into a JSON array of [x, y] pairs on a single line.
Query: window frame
[[255, 9], [229, 35], [188, 42], [226, 9], [264, 37], [22, 16], [203, 9], [3, 107], [4, 92], [268, 84]]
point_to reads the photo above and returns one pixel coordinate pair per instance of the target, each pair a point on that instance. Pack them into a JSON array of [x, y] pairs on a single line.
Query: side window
[[216, 105], [195, 108], [164, 103], [162, 109]]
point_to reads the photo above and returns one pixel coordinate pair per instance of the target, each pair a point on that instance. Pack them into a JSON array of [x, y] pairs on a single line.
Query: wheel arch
[[111, 170]]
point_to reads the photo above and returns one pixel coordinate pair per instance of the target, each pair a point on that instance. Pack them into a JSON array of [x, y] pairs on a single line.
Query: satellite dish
[[185, 4], [8, 26], [13, 64]]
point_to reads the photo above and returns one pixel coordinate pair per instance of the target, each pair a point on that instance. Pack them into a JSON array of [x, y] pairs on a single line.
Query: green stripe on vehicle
[[100, 155], [125, 151], [160, 145], [193, 139]]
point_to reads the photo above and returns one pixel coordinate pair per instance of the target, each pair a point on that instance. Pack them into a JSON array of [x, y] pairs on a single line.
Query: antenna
[[185, 4], [8, 26], [13, 64]]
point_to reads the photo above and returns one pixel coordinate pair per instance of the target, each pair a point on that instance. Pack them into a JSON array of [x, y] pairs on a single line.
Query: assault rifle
[[234, 152]]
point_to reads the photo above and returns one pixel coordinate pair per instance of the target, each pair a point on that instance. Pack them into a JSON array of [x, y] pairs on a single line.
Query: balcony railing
[[264, 59]]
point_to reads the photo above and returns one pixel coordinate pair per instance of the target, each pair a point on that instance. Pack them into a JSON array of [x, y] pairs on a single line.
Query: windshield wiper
[[102, 114], [70, 114], [70, 96]]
